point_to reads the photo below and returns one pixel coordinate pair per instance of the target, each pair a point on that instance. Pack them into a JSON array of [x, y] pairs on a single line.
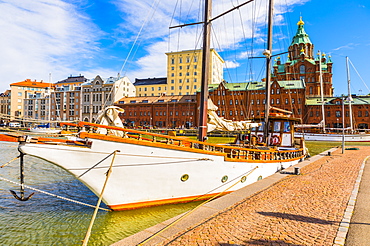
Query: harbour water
[[47, 220]]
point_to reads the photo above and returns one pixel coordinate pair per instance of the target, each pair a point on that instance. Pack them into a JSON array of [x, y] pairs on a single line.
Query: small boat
[[149, 169], [45, 129]]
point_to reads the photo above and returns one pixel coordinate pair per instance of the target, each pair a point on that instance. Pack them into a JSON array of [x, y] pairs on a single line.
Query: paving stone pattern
[[301, 209]]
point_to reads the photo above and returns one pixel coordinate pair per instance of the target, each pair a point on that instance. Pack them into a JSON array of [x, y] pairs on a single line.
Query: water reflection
[[46, 220]]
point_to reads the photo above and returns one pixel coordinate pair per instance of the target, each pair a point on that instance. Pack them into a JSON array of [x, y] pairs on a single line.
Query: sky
[[50, 40]]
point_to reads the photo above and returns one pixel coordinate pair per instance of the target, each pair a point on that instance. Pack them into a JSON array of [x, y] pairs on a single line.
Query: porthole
[[184, 177], [224, 179], [259, 178], [243, 179]]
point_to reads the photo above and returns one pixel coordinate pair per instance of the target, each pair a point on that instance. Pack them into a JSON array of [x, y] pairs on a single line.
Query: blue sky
[[92, 38]]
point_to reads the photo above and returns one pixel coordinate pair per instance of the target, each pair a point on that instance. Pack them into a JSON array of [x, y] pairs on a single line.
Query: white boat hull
[[148, 176], [332, 137]]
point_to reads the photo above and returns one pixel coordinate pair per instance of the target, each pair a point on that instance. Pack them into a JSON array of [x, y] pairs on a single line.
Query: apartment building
[[183, 74], [24, 90], [102, 92]]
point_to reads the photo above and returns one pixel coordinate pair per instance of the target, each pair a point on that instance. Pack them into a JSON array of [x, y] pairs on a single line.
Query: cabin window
[[277, 126], [286, 126]]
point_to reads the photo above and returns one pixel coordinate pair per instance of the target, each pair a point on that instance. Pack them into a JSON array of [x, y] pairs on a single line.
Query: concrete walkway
[[313, 208], [359, 226]]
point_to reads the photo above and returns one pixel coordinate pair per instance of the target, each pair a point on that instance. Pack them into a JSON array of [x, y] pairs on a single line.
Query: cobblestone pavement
[[298, 210]]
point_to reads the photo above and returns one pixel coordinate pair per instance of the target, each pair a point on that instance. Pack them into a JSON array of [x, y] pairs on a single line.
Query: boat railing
[[230, 152]]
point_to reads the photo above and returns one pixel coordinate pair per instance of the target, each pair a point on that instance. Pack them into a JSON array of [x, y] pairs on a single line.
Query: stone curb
[[340, 239]]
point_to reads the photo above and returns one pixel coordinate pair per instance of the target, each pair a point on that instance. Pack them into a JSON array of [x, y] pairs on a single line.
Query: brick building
[[159, 111]]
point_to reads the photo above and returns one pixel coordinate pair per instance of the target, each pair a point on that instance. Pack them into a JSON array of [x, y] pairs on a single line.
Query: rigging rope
[[50, 194]]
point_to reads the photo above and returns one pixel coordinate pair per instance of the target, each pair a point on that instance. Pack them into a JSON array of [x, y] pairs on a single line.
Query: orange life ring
[[275, 140]]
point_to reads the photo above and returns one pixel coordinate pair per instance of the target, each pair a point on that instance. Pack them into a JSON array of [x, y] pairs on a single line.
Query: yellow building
[[24, 90], [184, 70]]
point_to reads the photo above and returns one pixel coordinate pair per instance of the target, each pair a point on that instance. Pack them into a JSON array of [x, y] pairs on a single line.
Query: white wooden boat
[[153, 169]]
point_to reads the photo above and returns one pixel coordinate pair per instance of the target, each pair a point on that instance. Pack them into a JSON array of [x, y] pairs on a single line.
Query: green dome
[[301, 37]]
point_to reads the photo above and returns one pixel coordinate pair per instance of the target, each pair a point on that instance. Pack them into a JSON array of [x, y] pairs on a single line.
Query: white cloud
[[42, 37], [231, 64], [232, 29]]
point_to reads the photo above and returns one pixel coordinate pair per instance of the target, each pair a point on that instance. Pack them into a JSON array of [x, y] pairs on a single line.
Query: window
[[277, 91], [187, 59], [293, 100], [272, 91], [231, 102], [277, 101], [286, 101], [359, 113], [236, 101], [231, 112], [180, 74], [272, 101], [328, 114], [195, 73], [252, 102], [180, 59], [172, 60], [302, 69], [337, 113], [258, 101], [180, 67]]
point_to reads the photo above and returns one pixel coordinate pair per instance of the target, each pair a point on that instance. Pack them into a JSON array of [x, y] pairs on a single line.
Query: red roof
[[29, 83]]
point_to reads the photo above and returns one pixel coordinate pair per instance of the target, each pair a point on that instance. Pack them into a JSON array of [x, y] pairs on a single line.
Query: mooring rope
[[191, 211], [57, 196]]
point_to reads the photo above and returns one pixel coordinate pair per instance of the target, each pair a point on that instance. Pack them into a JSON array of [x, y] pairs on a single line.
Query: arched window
[[302, 69]]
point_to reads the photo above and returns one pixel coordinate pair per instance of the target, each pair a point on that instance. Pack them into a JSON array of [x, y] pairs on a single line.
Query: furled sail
[[109, 116], [219, 123]]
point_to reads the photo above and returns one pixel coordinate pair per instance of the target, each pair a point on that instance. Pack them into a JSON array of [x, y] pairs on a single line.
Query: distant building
[[183, 74], [150, 87], [5, 102], [333, 112], [302, 65], [24, 90], [102, 92], [159, 111]]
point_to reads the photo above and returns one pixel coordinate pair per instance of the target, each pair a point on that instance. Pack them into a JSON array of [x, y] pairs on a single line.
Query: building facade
[[24, 90], [5, 103], [184, 69], [159, 111], [102, 92], [302, 65]]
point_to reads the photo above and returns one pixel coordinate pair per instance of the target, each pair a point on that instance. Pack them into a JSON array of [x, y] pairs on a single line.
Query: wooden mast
[[205, 71], [268, 54]]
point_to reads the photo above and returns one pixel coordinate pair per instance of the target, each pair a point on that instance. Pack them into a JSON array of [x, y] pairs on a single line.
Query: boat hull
[[145, 176]]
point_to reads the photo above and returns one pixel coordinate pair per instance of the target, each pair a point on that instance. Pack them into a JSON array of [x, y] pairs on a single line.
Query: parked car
[[14, 124]]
